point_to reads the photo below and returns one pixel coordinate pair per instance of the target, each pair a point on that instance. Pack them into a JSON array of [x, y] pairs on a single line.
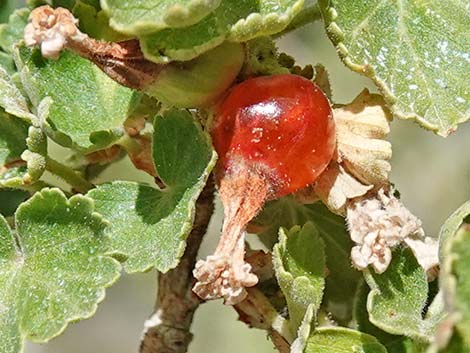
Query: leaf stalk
[[70, 176]]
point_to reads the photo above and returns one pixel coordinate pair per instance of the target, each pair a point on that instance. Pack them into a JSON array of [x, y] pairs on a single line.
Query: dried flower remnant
[[105, 156], [336, 186], [377, 223], [225, 274], [356, 185], [141, 154], [51, 29], [260, 129], [362, 157]]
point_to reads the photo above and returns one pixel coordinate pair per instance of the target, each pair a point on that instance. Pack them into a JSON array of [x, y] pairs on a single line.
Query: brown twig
[[167, 330]]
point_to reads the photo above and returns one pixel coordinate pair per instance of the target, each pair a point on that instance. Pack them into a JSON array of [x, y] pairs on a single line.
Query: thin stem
[[167, 330], [36, 186], [70, 176], [129, 144], [257, 311], [305, 16]]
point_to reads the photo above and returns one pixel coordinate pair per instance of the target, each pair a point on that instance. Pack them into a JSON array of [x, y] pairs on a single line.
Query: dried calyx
[[225, 274], [362, 158], [56, 29], [356, 185]]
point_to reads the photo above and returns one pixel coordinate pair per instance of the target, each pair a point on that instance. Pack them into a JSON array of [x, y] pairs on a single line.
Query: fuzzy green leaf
[[70, 4], [417, 53], [52, 267], [10, 199], [398, 297], [25, 147], [149, 226], [342, 340], [13, 134], [393, 343], [342, 279], [455, 276], [299, 263], [7, 63], [34, 155], [11, 98], [88, 108], [12, 32], [450, 228], [146, 16], [303, 332], [6, 7], [461, 253], [237, 21]]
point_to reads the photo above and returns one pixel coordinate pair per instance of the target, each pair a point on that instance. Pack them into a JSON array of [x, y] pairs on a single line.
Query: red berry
[[274, 135], [281, 124]]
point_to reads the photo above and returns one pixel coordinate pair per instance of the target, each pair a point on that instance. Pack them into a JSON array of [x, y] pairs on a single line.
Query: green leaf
[[299, 263], [303, 332], [7, 63], [52, 267], [456, 280], [147, 16], [70, 4], [12, 32], [393, 343], [417, 53], [456, 345], [6, 7], [450, 228], [11, 98], [34, 152], [461, 253], [10, 199], [13, 134], [237, 21], [452, 253], [88, 108], [342, 340], [149, 226], [342, 279], [399, 296], [23, 152]]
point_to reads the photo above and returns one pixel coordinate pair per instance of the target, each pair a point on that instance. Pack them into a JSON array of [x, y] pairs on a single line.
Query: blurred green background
[[432, 174]]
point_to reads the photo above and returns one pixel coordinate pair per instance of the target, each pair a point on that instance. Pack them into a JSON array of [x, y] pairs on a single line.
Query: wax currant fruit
[[274, 135], [201, 81], [192, 84]]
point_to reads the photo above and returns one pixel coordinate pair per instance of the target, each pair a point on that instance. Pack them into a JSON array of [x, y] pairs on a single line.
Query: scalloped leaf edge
[[336, 36], [177, 15], [89, 204]]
